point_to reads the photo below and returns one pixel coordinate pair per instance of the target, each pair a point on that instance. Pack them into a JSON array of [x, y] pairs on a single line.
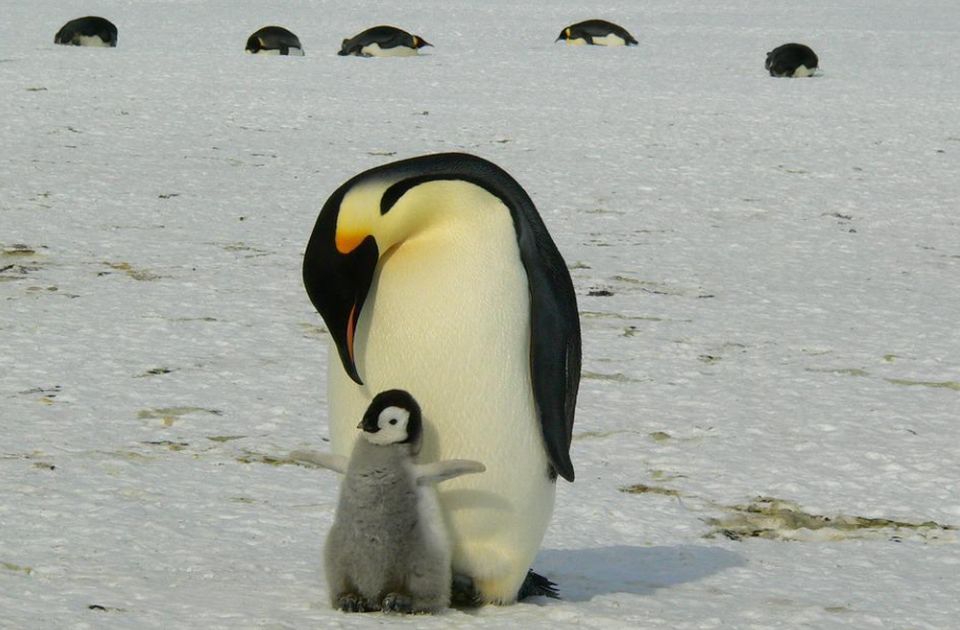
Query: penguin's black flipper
[[536, 585]]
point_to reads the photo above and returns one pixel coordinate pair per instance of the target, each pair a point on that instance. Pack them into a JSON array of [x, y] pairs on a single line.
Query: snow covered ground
[[767, 272]]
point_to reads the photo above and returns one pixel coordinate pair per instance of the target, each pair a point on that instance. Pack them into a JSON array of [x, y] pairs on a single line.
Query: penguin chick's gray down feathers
[[388, 548]]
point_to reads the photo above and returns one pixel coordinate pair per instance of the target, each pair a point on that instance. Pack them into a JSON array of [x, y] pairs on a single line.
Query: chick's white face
[[392, 423]]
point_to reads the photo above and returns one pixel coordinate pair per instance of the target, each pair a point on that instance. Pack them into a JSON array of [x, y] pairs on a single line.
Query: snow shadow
[[582, 574]]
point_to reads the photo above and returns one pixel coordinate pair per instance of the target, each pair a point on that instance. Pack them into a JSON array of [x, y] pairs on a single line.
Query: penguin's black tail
[[535, 585], [464, 594]]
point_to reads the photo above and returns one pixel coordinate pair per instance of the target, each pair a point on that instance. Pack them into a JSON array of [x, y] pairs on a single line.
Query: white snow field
[[768, 430]]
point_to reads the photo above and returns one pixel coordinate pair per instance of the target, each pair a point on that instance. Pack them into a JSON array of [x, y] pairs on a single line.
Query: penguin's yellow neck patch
[[423, 209], [358, 217]]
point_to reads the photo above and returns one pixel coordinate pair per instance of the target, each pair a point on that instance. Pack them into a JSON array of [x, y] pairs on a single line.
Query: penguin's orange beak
[[351, 333], [346, 241]]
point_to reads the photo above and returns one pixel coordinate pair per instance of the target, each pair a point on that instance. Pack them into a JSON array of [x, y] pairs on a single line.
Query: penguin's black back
[[89, 26], [784, 60], [383, 35]]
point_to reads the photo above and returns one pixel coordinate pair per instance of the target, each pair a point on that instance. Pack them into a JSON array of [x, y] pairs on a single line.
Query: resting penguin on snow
[[274, 40], [598, 33], [383, 41], [437, 275], [792, 60], [388, 548], [87, 31]]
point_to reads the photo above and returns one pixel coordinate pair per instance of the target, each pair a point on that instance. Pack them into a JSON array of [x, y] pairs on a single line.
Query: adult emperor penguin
[[274, 40], [597, 33], [87, 31], [792, 60], [383, 41], [388, 548], [437, 275]]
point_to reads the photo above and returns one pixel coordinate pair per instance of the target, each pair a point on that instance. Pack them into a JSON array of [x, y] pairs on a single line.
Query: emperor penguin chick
[[388, 548]]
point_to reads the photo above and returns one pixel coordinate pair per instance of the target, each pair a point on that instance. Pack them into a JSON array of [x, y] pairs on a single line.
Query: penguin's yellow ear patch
[[416, 41], [566, 32]]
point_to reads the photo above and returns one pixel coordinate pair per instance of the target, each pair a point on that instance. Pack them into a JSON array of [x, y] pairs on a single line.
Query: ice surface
[[767, 272]]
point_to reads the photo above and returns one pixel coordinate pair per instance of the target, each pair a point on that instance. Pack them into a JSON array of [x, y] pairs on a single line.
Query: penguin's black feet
[[535, 585], [351, 603], [397, 603], [463, 594]]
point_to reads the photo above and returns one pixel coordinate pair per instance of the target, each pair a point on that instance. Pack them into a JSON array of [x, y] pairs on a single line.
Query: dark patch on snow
[[141, 275], [954, 385], [642, 488], [225, 438], [155, 372], [777, 519], [173, 446], [101, 608], [251, 457]]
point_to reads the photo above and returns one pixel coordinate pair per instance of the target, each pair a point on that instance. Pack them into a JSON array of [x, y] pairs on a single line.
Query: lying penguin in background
[[388, 548], [597, 33], [87, 31], [792, 60], [383, 41], [274, 40]]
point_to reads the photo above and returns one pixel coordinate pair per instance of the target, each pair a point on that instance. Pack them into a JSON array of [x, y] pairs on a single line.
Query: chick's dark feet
[[351, 603], [397, 603]]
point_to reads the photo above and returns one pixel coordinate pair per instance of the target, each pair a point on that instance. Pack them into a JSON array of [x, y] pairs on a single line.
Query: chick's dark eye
[[393, 420]]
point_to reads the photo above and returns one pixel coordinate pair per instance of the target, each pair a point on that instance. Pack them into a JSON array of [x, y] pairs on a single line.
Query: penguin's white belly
[[447, 319], [609, 40], [293, 52], [90, 40], [374, 50], [803, 71], [577, 42]]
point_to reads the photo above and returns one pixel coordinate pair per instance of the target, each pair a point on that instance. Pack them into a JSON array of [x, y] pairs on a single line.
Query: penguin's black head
[[393, 417], [419, 42], [564, 34], [366, 217], [253, 44]]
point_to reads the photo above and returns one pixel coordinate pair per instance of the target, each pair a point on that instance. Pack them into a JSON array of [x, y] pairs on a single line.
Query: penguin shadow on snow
[[633, 570]]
